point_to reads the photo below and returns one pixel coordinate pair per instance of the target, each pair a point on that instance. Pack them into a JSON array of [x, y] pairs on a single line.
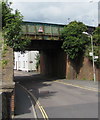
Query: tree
[[12, 30], [74, 41], [96, 36]]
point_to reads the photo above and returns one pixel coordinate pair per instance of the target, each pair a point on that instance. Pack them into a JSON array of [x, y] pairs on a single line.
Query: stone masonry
[[6, 82]]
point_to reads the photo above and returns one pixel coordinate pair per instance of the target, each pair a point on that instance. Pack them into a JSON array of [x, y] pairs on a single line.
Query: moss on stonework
[[4, 51], [4, 60], [4, 63]]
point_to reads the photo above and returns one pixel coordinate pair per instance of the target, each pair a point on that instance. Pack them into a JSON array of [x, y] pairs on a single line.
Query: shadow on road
[[22, 102], [77, 102], [33, 83]]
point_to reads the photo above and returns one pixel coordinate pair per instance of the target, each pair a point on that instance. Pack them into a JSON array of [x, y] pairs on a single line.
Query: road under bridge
[[46, 38]]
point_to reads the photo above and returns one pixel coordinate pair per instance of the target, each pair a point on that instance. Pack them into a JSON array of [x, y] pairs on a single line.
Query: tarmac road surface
[[58, 98]]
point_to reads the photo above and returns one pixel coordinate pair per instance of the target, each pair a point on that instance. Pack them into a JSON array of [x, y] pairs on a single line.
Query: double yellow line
[[78, 86], [44, 114]]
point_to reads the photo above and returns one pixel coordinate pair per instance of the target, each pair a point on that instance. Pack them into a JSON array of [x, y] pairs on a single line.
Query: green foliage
[[1, 40], [12, 30], [96, 40], [84, 78], [37, 58], [4, 63], [96, 47], [74, 41], [96, 36], [4, 50], [1, 43]]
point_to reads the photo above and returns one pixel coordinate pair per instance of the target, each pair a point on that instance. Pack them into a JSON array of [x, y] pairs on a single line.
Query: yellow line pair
[[78, 86], [43, 112], [45, 116]]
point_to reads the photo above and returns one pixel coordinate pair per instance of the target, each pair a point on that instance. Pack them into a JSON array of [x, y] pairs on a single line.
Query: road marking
[[33, 109], [78, 86], [44, 114]]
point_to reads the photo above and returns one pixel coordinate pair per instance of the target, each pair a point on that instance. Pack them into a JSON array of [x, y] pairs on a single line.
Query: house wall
[[25, 61]]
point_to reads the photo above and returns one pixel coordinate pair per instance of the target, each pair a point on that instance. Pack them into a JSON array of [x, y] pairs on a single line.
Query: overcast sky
[[58, 12]]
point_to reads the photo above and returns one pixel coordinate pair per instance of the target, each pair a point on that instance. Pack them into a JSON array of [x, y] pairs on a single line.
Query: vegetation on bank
[[96, 46], [76, 44]]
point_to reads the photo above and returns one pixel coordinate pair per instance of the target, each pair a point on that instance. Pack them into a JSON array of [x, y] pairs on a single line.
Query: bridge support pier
[[53, 63]]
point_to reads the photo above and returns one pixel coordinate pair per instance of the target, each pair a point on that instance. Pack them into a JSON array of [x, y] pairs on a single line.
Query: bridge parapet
[[42, 31], [45, 31]]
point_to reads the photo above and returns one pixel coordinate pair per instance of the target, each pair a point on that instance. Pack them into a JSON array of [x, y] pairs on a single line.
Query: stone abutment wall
[[6, 82], [53, 63], [82, 70]]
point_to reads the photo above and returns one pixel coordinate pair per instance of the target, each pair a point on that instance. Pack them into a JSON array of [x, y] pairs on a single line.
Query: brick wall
[[83, 70], [53, 63]]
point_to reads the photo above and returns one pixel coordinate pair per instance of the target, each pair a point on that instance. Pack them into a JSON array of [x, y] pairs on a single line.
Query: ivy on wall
[[96, 47], [74, 41]]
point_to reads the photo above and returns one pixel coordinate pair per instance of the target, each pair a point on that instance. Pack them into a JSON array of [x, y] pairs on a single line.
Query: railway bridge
[[46, 38]]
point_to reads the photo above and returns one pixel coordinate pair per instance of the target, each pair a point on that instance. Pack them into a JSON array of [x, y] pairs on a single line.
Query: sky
[[59, 11]]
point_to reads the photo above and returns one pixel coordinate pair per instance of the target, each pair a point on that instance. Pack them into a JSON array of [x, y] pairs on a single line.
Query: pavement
[[24, 108], [84, 84]]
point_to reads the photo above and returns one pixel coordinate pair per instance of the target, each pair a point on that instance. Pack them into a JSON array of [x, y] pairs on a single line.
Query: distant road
[[59, 100]]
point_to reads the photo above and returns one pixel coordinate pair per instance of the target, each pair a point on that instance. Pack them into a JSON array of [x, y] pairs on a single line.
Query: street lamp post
[[94, 75]]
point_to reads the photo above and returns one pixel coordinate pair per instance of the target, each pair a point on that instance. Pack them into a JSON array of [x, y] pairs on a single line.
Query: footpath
[[84, 84]]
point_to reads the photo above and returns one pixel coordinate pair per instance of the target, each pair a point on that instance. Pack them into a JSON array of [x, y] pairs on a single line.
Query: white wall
[[25, 61]]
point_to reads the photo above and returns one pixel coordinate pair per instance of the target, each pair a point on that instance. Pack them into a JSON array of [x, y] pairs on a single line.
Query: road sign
[[95, 57], [90, 53], [40, 29]]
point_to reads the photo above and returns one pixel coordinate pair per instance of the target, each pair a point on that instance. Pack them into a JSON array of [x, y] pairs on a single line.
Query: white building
[[25, 61]]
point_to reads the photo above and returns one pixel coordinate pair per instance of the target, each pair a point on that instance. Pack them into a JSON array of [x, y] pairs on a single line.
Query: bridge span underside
[[52, 57]]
